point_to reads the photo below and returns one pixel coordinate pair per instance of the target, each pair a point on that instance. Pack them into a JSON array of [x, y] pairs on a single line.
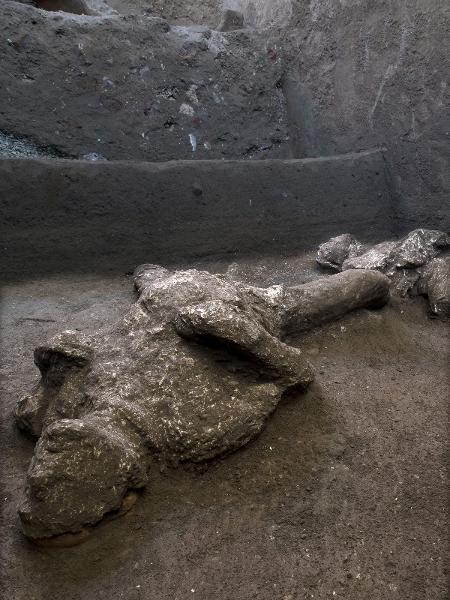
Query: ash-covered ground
[[342, 496]]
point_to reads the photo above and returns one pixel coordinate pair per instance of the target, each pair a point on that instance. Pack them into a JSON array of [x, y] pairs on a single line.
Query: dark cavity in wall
[[76, 7]]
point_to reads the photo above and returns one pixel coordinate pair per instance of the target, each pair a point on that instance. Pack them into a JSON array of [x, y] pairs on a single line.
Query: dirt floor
[[342, 496]]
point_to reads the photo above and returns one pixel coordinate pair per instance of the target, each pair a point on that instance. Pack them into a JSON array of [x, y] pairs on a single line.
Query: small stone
[[332, 254], [376, 258], [435, 284]]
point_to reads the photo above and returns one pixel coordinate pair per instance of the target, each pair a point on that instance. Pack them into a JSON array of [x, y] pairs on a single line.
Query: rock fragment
[[333, 253], [404, 281], [435, 283], [418, 248], [414, 250], [410, 263], [377, 257]]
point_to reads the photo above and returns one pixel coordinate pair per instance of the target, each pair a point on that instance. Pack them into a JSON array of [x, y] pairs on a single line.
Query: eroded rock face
[[192, 371]]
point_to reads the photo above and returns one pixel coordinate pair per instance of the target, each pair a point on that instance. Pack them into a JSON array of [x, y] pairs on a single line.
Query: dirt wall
[[80, 216], [133, 87], [333, 76], [376, 72]]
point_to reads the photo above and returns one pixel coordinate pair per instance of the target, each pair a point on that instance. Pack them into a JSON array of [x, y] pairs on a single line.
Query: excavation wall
[[133, 87], [329, 77], [62, 215], [376, 72]]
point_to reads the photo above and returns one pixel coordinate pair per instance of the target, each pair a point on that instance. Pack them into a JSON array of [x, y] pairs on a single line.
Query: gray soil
[[342, 496]]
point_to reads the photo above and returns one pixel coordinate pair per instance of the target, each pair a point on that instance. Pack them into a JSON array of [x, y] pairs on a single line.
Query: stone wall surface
[[111, 216]]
